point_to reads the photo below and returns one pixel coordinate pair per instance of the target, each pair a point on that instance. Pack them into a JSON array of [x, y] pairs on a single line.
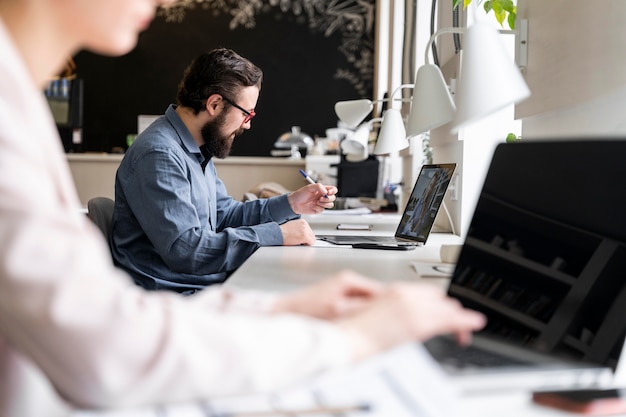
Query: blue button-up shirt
[[174, 226]]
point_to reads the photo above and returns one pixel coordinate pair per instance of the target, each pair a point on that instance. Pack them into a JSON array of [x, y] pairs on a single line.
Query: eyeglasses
[[249, 114]]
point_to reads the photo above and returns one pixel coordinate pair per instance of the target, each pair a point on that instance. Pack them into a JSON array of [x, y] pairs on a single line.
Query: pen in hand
[[309, 179]]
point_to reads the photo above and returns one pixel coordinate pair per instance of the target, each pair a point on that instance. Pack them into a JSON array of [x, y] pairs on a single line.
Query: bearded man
[[174, 225]]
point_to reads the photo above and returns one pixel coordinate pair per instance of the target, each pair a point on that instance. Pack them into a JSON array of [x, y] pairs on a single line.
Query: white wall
[[576, 68]]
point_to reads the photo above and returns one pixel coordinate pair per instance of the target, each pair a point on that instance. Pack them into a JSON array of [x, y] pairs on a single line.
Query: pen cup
[[450, 253]]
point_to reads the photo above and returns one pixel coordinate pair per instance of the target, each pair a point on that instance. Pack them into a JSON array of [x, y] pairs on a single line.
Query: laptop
[[419, 214], [545, 260]]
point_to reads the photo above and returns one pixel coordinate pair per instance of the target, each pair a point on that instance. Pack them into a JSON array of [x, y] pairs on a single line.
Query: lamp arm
[[400, 88], [436, 34], [390, 98], [370, 123]]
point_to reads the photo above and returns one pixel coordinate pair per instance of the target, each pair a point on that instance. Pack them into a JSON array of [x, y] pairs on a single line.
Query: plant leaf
[[500, 16], [502, 9], [511, 137], [508, 5], [511, 19]]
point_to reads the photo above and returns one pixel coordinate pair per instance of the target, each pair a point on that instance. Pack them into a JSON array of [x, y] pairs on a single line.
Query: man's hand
[[342, 294], [297, 232], [311, 199]]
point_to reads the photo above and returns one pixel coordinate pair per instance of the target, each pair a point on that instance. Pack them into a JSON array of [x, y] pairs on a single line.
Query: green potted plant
[[502, 9]]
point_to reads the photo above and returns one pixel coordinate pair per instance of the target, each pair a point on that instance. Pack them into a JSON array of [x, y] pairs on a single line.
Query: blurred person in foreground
[[76, 332]]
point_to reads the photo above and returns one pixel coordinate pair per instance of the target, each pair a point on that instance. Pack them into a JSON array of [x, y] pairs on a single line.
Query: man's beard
[[218, 145]]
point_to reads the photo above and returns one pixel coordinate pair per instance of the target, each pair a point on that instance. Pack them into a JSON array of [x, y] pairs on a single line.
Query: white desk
[[288, 268], [283, 268]]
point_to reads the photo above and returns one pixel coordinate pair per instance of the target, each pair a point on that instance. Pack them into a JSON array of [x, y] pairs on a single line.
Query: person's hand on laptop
[[406, 312], [377, 317], [342, 294]]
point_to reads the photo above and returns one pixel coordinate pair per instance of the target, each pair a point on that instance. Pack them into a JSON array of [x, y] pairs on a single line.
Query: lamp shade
[[489, 79], [392, 135], [432, 104], [356, 143], [353, 112], [357, 157]]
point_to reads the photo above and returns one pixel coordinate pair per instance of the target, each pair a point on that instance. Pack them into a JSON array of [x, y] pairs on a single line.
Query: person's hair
[[220, 71]]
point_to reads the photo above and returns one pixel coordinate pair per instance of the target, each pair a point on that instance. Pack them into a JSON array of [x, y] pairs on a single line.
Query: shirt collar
[[186, 139]]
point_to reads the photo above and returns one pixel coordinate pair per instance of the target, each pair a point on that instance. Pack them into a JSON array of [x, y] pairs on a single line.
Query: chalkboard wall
[[313, 53]]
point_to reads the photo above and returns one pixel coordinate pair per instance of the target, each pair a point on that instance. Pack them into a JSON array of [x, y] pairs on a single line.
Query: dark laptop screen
[[545, 254]]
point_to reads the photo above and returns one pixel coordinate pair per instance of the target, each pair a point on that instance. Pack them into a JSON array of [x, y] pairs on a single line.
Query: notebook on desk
[[419, 213], [545, 260]]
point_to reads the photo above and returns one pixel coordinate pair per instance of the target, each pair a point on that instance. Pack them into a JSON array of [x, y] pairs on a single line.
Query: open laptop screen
[[545, 254], [424, 202]]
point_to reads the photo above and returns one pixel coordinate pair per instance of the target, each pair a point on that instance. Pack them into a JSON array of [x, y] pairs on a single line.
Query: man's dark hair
[[220, 71]]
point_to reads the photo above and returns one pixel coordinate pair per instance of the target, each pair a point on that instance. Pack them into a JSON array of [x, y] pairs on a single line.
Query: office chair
[[100, 211]]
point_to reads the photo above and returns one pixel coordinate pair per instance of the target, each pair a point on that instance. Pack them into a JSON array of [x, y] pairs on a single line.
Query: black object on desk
[[384, 246], [357, 179]]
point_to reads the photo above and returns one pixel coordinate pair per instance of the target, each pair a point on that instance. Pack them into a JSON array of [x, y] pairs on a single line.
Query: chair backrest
[[100, 211]]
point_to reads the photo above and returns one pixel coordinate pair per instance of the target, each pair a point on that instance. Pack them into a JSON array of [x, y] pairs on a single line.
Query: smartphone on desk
[[591, 402], [383, 246], [349, 226]]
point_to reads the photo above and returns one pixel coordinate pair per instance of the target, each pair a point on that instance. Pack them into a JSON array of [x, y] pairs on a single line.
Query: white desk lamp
[[353, 112], [489, 81], [355, 146], [432, 105], [392, 134]]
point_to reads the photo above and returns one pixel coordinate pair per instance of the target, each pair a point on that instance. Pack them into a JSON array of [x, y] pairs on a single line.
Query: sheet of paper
[[432, 270], [320, 242], [358, 210]]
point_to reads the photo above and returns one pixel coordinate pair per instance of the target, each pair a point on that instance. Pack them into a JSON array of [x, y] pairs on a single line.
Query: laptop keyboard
[[449, 353]]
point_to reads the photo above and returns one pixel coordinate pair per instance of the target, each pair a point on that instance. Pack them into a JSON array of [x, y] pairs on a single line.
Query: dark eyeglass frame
[[249, 113]]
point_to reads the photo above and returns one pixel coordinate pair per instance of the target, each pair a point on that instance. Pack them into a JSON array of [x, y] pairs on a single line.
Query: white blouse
[[73, 326]]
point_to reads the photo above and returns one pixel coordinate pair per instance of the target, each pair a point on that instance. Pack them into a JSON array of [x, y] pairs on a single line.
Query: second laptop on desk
[[544, 260], [419, 214]]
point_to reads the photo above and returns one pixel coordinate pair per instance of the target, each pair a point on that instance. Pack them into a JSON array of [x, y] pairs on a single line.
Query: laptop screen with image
[[419, 212], [425, 201]]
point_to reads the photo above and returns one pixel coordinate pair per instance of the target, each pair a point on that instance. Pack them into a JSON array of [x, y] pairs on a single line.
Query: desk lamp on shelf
[[391, 136], [489, 81]]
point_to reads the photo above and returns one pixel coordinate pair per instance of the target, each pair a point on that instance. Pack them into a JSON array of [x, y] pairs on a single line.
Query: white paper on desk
[[405, 382], [322, 243], [433, 270], [357, 210]]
